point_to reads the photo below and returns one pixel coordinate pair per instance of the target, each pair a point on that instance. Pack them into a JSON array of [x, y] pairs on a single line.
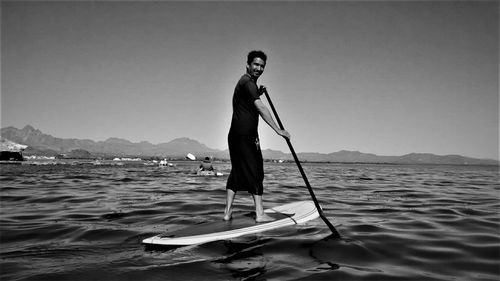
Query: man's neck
[[251, 77]]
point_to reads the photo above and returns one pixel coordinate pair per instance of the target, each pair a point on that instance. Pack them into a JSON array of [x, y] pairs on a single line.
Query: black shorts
[[247, 171]]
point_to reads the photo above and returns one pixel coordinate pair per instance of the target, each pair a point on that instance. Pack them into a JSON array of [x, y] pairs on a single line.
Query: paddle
[[318, 207]]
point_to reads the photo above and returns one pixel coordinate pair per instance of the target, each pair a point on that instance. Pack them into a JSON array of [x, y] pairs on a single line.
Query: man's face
[[256, 67]]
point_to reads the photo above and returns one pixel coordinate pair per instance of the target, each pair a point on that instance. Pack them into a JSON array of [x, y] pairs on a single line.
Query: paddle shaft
[[318, 207]]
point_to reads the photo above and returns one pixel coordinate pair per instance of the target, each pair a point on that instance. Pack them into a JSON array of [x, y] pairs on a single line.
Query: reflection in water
[[245, 260], [247, 265]]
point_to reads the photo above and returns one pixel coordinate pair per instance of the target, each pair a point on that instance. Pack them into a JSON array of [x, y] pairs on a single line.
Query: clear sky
[[381, 77]]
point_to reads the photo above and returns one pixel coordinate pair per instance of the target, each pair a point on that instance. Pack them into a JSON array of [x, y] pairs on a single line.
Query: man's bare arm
[[266, 115]]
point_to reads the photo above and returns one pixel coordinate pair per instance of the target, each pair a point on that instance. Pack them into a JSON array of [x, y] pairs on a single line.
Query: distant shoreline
[[40, 144], [150, 162]]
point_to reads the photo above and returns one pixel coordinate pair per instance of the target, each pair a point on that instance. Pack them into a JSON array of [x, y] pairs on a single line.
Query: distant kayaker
[[247, 166], [206, 165]]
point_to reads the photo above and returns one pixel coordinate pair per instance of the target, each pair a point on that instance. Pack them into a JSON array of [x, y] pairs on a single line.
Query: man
[[247, 173]]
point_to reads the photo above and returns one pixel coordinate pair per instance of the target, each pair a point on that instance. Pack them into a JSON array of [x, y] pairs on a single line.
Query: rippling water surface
[[398, 222]]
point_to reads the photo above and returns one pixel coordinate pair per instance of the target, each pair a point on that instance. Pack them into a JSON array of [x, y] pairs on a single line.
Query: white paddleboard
[[286, 215]]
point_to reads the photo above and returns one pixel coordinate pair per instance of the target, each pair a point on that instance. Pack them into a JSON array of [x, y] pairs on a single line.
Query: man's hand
[[284, 133], [262, 89]]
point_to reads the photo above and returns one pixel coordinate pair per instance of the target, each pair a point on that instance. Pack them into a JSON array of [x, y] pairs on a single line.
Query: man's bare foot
[[263, 218], [228, 215]]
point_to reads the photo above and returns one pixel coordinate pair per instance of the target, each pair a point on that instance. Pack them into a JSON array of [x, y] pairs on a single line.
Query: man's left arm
[[266, 115]]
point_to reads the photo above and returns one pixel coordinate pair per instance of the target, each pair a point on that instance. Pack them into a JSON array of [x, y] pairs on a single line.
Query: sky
[[381, 77]]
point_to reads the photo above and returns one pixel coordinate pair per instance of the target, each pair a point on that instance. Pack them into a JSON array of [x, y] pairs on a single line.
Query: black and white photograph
[[249, 140]]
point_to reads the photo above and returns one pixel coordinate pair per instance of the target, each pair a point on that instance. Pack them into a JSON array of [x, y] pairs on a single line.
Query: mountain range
[[42, 144]]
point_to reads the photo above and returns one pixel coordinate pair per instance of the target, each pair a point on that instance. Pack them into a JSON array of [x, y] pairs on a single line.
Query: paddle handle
[[336, 234]]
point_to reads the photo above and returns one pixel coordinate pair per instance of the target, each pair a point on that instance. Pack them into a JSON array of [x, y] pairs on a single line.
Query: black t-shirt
[[245, 114]]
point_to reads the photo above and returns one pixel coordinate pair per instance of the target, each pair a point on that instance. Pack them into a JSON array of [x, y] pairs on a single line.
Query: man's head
[[256, 54], [256, 62]]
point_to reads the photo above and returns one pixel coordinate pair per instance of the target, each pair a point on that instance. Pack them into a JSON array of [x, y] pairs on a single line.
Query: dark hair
[[256, 54]]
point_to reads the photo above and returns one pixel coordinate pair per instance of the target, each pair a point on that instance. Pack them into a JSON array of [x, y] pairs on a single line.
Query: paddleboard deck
[[285, 215]]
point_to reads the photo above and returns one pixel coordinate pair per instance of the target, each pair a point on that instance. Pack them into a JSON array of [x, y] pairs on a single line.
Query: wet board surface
[[241, 224]]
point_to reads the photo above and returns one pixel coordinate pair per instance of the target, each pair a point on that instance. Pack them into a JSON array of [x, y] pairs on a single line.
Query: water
[[398, 222]]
